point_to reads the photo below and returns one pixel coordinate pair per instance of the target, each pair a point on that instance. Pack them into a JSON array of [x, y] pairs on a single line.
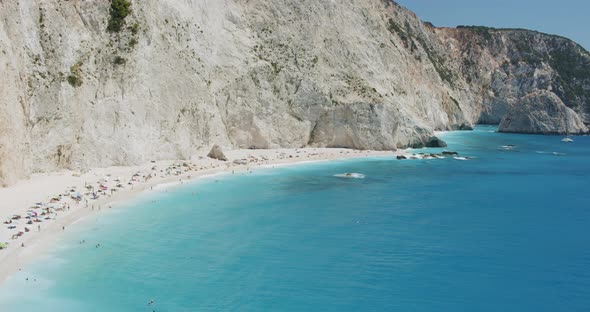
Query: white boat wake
[[508, 147], [551, 153]]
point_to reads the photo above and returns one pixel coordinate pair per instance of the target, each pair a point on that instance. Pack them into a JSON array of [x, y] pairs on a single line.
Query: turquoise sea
[[505, 231]]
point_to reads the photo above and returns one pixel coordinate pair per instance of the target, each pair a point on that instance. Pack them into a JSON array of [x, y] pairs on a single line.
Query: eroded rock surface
[[542, 112]]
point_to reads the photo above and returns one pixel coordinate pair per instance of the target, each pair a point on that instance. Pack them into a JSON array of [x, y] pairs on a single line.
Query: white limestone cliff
[[542, 112], [183, 76]]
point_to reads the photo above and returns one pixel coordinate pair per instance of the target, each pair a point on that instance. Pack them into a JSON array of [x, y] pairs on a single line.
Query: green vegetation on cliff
[[394, 28], [75, 76], [482, 31], [537, 51], [490, 30], [119, 11], [408, 39], [573, 71]]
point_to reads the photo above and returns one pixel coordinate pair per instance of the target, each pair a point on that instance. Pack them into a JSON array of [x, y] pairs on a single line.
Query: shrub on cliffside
[[74, 81], [75, 76], [119, 60], [119, 11]]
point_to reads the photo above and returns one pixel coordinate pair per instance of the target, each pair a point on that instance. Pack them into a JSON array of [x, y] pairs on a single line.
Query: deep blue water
[[506, 231]]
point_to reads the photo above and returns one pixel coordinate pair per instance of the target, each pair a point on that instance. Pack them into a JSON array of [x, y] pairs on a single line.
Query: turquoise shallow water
[[506, 231]]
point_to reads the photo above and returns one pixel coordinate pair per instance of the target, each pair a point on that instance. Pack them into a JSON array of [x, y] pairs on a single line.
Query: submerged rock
[[217, 153], [542, 112]]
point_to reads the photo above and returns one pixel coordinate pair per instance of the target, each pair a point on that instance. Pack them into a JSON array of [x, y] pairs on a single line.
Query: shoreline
[[18, 199]]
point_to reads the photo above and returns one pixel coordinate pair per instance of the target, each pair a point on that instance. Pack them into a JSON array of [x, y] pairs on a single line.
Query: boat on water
[[349, 175], [567, 140], [509, 147]]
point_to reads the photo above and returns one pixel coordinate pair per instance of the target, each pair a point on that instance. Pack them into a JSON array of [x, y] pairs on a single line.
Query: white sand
[[18, 199]]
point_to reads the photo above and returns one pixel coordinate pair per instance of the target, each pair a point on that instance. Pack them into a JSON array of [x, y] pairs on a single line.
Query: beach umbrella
[[3, 245]]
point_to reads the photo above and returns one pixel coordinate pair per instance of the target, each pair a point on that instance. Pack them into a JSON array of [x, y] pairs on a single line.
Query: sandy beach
[[41, 208]]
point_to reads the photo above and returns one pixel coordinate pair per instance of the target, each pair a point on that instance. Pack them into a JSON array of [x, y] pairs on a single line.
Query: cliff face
[[542, 112], [181, 76], [506, 65]]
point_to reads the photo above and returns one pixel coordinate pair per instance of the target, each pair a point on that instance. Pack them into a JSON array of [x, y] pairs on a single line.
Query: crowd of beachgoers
[[92, 193], [74, 197]]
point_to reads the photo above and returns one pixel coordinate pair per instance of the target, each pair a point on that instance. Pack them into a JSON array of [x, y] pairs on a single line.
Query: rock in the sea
[[542, 112], [429, 142], [466, 127], [401, 157], [217, 153], [436, 142]]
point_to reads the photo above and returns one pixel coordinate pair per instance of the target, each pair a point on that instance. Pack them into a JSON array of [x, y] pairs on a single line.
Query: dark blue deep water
[[506, 231]]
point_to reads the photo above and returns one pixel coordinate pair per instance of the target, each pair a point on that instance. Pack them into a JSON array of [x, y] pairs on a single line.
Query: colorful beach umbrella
[[3, 245]]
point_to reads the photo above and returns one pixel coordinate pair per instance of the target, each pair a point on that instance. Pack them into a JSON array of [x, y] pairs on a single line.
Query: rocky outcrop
[[217, 153], [542, 112], [504, 66], [368, 74]]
